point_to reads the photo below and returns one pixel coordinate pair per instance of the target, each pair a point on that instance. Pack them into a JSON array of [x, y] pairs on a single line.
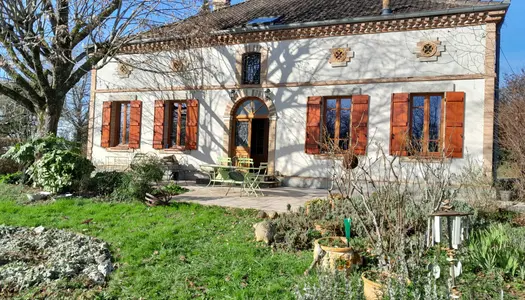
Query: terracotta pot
[[338, 259], [372, 289], [334, 249]]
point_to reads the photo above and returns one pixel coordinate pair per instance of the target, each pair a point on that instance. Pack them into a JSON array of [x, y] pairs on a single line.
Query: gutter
[[503, 6]]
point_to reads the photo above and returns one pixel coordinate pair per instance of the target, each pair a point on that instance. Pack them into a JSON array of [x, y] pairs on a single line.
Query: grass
[[177, 252]]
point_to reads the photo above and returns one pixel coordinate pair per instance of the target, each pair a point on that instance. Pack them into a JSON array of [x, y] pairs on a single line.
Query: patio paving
[[274, 199]]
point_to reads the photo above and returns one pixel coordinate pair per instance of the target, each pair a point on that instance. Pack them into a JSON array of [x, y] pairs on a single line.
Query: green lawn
[[178, 252]]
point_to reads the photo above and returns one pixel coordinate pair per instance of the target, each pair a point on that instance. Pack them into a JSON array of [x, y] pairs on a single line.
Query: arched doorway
[[250, 130]]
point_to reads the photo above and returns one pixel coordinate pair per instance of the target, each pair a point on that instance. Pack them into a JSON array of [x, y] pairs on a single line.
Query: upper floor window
[[336, 121], [425, 124], [251, 68]]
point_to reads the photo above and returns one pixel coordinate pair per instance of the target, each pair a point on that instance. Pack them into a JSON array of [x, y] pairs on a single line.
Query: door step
[[270, 182]]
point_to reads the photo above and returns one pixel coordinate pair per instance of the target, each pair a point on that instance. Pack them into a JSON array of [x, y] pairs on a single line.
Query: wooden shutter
[[454, 124], [106, 124], [359, 124], [399, 120], [192, 124], [313, 125], [134, 124], [158, 124]]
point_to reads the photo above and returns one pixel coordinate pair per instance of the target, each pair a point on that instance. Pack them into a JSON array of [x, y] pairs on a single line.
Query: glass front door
[[250, 133]]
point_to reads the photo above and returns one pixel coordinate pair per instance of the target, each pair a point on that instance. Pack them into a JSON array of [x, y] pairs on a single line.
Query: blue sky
[[513, 39], [512, 57]]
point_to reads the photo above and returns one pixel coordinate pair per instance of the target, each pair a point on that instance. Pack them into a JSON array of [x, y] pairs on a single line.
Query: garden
[[386, 231]]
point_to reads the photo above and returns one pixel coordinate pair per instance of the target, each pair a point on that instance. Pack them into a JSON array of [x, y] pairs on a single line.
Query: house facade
[[287, 84]]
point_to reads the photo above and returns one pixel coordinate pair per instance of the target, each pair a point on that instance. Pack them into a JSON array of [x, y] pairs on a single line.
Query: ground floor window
[[121, 123], [336, 123], [426, 120], [175, 120]]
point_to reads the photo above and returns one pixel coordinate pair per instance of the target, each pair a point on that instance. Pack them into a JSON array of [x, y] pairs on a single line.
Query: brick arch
[[229, 115]]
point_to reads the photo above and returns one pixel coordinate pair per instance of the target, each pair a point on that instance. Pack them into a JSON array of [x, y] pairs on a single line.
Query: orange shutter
[[313, 125], [134, 124], [359, 124], [454, 119], [399, 120], [106, 124], [158, 124], [192, 124]]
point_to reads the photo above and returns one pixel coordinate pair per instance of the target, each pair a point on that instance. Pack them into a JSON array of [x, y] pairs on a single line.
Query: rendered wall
[[386, 59]]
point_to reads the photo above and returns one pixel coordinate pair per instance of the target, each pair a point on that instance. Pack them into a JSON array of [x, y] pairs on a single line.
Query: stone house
[[288, 81]]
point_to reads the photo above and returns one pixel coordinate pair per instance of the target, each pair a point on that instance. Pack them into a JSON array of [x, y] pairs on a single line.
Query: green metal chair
[[252, 180], [245, 162], [225, 161]]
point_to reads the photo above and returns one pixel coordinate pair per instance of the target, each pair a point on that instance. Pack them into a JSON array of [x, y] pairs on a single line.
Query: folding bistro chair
[[252, 180], [225, 161], [245, 162]]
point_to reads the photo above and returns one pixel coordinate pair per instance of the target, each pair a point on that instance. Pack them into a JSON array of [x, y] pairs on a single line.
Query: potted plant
[[372, 284], [339, 255]]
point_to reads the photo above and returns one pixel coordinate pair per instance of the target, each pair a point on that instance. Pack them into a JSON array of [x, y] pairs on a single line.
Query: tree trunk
[[48, 120]]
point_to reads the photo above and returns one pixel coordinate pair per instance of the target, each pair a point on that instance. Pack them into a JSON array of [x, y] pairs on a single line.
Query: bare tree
[[16, 122], [49, 45], [511, 117], [75, 113]]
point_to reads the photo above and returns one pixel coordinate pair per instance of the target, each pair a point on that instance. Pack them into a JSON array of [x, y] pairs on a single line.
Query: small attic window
[[263, 21]]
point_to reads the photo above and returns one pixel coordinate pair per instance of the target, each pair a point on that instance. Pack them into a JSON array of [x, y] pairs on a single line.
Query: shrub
[[174, 189], [145, 172], [13, 178], [8, 166], [321, 217], [60, 170], [331, 286], [493, 250], [26, 154], [131, 189], [148, 168], [52, 163], [105, 183]]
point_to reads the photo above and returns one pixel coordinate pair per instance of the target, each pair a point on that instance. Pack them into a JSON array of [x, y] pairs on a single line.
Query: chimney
[[386, 8], [220, 4]]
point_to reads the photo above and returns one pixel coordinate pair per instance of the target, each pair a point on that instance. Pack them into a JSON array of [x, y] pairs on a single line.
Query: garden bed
[[34, 256]]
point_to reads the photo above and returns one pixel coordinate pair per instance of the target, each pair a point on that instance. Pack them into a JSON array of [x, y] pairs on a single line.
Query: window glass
[[344, 127], [251, 65], [244, 109], [241, 133], [124, 119], [337, 122], [183, 117], [435, 123], [331, 103], [330, 121], [263, 110], [254, 107], [426, 123], [346, 103], [176, 114], [174, 124]]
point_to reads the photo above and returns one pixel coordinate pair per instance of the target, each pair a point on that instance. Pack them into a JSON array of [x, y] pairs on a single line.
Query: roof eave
[[503, 6], [496, 7]]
